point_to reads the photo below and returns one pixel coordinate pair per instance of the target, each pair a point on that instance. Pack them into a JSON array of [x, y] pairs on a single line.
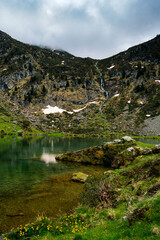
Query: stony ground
[[152, 126]]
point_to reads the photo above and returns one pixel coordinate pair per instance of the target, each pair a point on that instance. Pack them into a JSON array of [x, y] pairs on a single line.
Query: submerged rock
[[79, 177], [15, 214]]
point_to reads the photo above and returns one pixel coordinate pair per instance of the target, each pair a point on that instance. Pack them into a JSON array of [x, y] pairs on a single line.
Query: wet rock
[[79, 177]]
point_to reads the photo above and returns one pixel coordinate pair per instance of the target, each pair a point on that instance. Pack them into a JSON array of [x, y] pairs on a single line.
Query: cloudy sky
[[93, 28]]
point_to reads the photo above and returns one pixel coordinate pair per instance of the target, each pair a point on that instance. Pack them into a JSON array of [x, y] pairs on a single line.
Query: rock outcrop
[[117, 154], [92, 155]]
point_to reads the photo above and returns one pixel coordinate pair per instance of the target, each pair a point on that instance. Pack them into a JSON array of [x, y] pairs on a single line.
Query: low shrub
[[98, 192]]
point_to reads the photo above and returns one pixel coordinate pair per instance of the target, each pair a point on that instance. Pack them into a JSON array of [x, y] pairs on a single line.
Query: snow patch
[[111, 67], [116, 95], [56, 109], [78, 110], [50, 110], [157, 81]]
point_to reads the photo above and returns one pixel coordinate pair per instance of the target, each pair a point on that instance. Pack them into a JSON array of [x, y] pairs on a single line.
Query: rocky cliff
[[117, 94]]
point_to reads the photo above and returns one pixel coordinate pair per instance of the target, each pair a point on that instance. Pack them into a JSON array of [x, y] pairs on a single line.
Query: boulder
[[133, 152], [79, 177], [127, 139], [117, 141], [146, 151], [126, 156], [156, 148]]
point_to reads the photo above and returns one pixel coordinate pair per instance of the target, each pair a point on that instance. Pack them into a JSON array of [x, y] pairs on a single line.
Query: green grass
[[147, 137], [56, 135], [102, 228], [143, 145]]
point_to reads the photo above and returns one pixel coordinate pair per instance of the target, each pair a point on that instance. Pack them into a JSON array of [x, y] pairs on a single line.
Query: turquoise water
[[29, 161], [32, 182]]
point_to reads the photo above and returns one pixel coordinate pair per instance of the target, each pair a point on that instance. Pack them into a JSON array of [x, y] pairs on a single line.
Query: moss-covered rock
[[117, 154], [79, 177], [156, 148], [92, 155]]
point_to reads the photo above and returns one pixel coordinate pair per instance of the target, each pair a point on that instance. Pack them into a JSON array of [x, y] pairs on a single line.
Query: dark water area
[[32, 183]]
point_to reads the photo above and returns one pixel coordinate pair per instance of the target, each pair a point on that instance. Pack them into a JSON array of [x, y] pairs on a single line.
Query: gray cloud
[[94, 28]]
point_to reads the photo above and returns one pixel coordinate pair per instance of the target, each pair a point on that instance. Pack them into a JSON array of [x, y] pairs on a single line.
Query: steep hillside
[[109, 96], [134, 74], [34, 75]]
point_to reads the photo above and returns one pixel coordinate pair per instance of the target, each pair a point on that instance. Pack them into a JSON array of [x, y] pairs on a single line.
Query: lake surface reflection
[[48, 158], [33, 183]]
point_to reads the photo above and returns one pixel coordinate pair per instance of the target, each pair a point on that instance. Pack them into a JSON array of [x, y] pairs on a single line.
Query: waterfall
[[102, 83], [102, 87]]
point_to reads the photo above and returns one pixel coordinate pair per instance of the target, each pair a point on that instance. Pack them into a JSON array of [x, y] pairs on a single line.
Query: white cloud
[[120, 7], [95, 28]]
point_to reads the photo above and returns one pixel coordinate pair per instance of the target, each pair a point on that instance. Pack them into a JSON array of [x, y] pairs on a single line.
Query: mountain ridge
[[33, 78]]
